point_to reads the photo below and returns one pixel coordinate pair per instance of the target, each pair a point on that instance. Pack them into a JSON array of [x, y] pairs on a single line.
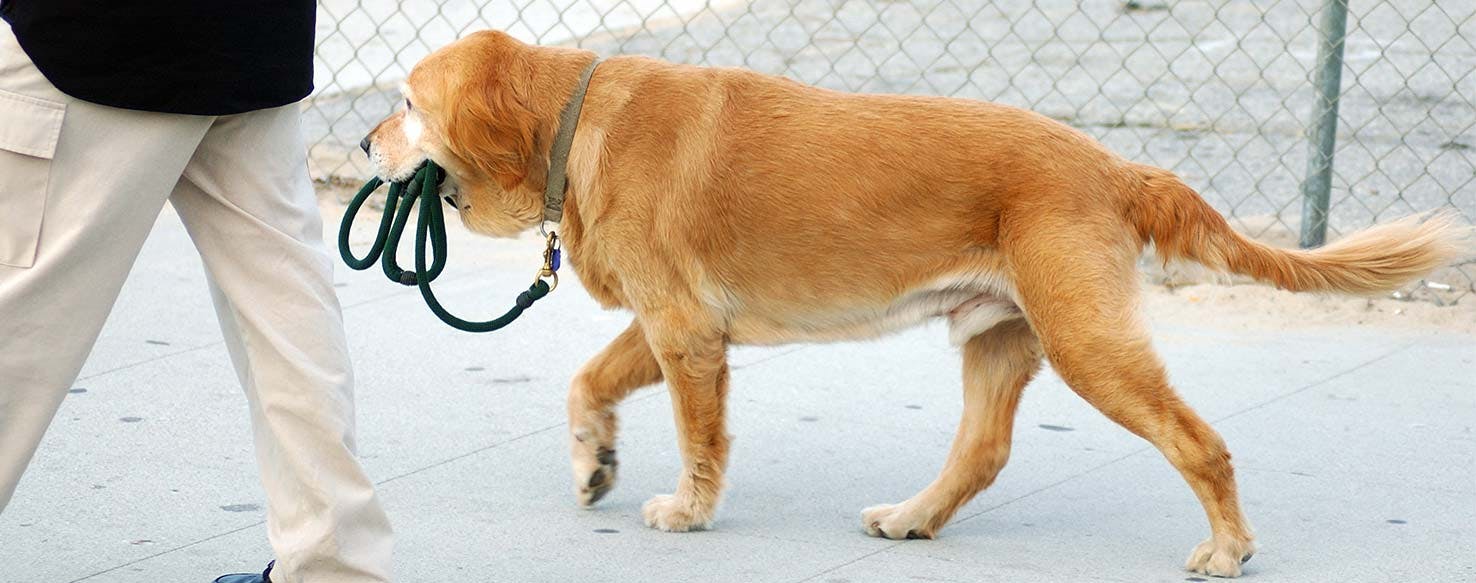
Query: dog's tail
[[1378, 259]]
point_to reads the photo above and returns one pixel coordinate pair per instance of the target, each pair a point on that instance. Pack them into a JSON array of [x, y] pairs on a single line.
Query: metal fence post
[[1332, 30]]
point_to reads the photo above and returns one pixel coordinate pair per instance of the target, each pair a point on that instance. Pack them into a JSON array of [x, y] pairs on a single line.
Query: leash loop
[[348, 221]]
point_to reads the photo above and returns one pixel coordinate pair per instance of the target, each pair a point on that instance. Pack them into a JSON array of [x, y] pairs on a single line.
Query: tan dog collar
[[558, 157]]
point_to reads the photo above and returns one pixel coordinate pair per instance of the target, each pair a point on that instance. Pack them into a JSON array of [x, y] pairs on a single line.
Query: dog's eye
[[408, 107]]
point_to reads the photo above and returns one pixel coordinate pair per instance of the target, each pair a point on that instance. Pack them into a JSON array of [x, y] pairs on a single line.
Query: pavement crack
[[149, 360], [1319, 383], [169, 550], [852, 561], [769, 358], [471, 453], [1051, 485], [496, 445]]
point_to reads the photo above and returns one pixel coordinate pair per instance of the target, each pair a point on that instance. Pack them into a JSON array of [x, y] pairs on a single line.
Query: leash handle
[[347, 225]]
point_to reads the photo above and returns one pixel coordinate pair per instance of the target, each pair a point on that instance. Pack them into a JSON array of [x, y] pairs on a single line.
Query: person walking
[[107, 110]]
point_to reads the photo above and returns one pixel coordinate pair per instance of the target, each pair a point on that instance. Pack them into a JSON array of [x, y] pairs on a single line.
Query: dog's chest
[[598, 279]]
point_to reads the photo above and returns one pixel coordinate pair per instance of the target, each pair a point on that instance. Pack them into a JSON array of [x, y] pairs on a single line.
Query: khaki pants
[[80, 187]]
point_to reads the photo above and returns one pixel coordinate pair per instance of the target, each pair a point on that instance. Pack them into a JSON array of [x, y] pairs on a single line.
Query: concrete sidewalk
[[1355, 450]]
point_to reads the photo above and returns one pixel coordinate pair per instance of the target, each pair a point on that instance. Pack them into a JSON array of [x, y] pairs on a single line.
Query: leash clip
[[552, 257]]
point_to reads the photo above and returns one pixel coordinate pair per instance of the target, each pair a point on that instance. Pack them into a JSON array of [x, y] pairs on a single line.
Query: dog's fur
[[723, 206]]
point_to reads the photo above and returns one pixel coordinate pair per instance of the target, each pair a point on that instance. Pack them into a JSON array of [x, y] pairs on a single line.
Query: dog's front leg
[[624, 366], [693, 359]]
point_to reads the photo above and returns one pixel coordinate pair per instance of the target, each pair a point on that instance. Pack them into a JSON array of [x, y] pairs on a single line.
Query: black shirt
[[204, 57]]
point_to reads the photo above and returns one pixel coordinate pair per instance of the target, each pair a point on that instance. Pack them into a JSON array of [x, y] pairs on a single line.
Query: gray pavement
[[1355, 449]]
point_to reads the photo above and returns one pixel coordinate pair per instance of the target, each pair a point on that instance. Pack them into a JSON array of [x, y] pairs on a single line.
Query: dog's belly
[[972, 306]]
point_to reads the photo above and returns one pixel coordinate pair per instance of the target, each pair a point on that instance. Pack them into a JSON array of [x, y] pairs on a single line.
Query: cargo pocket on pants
[[29, 129]]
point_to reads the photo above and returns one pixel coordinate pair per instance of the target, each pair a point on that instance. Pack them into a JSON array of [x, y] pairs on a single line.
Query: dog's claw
[[597, 479], [597, 493]]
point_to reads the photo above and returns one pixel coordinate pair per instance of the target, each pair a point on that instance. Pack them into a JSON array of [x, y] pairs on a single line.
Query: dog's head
[[468, 108]]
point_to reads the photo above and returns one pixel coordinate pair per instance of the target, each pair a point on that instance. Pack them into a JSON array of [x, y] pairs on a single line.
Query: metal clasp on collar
[[552, 258]]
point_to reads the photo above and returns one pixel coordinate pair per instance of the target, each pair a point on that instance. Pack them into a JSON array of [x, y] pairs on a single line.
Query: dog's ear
[[490, 126]]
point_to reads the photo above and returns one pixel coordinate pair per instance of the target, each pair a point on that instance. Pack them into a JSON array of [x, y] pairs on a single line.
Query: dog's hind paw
[[1220, 556]]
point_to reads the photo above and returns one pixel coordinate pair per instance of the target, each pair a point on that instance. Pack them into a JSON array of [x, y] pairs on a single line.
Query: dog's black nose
[[364, 144]]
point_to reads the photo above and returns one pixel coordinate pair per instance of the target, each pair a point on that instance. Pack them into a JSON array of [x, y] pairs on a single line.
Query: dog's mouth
[[453, 197], [400, 174], [450, 190], [390, 171], [451, 194]]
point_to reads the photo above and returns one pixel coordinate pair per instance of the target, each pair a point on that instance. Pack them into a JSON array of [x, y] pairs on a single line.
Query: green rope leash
[[423, 190]]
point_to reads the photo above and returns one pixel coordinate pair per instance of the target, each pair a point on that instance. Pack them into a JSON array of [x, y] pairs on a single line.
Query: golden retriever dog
[[723, 206]]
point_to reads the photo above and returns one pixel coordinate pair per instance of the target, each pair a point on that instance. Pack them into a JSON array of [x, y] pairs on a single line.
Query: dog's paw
[[592, 457], [594, 474], [1220, 556], [673, 513], [896, 521]]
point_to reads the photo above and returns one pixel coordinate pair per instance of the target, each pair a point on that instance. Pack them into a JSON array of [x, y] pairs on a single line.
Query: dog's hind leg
[[1083, 307], [997, 365], [622, 367]]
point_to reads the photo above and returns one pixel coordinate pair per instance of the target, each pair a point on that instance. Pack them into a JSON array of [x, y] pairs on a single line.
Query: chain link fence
[[1220, 91]]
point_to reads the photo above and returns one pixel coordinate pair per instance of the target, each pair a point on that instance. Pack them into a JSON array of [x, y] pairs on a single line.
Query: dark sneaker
[[264, 577]]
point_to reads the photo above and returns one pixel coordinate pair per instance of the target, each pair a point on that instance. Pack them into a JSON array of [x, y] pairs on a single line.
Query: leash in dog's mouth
[[423, 189]]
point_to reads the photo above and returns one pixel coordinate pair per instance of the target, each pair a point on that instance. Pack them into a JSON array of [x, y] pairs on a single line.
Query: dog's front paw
[[675, 513], [1220, 556], [897, 521], [592, 455], [594, 475]]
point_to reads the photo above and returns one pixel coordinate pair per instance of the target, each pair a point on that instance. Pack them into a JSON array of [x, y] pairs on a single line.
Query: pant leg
[[103, 186], [249, 205]]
